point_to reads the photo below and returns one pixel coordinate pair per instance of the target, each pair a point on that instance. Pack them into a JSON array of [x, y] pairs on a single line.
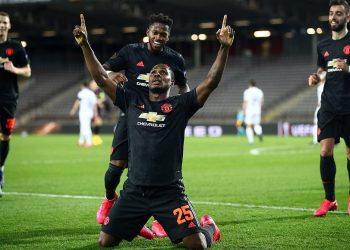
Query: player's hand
[[314, 79], [225, 34], [4, 60], [341, 64], [80, 32], [8, 66], [119, 78]]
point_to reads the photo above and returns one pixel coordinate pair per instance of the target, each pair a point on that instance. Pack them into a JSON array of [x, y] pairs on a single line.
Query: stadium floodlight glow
[[262, 33], [194, 37], [24, 44], [145, 39], [130, 29], [202, 37], [49, 33], [323, 18], [242, 23], [207, 25], [97, 31], [319, 31], [311, 31], [276, 21]]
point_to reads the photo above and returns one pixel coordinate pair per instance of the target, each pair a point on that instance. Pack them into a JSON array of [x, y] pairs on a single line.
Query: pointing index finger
[[224, 21], [82, 21]]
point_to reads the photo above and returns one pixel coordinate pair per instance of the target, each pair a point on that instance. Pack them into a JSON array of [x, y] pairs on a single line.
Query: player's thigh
[[7, 118], [176, 214], [119, 149], [332, 129], [128, 214]]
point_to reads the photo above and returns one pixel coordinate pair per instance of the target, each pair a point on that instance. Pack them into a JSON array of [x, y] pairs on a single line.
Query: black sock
[[328, 171], [112, 179], [4, 150], [348, 165], [208, 233]]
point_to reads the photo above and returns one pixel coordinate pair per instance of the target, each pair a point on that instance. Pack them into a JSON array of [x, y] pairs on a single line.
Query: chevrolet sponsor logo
[[152, 117], [143, 77]]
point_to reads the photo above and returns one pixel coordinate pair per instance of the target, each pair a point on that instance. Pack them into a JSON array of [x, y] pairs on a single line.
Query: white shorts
[[252, 118]]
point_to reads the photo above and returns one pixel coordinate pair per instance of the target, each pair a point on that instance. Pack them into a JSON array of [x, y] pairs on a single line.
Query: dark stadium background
[[280, 63]]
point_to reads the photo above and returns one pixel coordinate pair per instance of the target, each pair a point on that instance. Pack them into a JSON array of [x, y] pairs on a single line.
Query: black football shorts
[[334, 127], [119, 150], [167, 204], [7, 117]]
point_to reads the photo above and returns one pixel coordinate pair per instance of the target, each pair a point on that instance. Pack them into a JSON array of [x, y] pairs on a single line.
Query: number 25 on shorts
[[183, 213]]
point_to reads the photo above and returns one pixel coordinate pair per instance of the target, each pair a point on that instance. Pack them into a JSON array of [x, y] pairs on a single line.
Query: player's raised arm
[[95, 68], [225, 36]]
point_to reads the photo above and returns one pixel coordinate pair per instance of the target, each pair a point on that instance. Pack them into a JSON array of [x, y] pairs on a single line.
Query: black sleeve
[[190, 103], [321, 62], [118, 61], [121, 98], [180, 73], [21, 58]]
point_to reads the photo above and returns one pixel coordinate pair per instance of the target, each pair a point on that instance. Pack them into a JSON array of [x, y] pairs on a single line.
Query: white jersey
[[253, 97], [87, 100]]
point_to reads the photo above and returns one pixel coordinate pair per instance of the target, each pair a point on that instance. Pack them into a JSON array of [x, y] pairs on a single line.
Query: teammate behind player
[[136, 60], [156, 125], [253, 100], [86, 102], [334, 114], [13, 62]]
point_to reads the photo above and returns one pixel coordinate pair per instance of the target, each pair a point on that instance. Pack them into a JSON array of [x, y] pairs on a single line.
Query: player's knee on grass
[[195, 241], [106, 240]]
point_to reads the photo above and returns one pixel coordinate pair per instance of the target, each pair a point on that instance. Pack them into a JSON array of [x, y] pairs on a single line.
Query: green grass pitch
[[262, 196]]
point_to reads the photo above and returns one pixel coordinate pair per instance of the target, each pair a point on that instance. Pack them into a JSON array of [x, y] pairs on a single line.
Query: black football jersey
[[336, 94], [14, 51], [156, 135], [137, 61]]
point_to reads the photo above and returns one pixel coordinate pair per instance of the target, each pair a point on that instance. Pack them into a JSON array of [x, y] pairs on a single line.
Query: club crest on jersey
[[326, 54], [166, 107], [346, 50], [152, 117], [9, 51]]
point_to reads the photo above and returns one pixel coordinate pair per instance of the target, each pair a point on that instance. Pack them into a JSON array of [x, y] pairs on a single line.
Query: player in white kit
[[86, 102], [253, 100], [319, 94]]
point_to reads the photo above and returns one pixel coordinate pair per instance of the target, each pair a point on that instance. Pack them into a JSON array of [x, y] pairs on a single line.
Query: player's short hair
[[340, 2], [160, 18], [172, 75], [252, 83], [3, 13]]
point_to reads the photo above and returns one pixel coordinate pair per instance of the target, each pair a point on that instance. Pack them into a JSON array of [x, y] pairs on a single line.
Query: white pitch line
[[227, 204]]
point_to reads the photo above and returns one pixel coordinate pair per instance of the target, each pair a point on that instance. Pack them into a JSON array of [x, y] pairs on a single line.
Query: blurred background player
[[13, 62], [320, 87], [97, 121], [86, 102], [136, 60], [253, 100], [334, 113], [240, 122]]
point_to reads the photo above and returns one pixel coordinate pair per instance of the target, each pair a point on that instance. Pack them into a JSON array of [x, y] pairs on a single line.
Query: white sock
[[250, 135]]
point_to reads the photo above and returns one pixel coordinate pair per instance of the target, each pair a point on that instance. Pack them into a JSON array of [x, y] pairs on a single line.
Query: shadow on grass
[[259, 219], [73, 238]]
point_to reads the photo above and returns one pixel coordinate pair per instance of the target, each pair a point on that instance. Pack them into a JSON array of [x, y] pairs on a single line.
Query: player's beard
[[338, 27], [158, 90]]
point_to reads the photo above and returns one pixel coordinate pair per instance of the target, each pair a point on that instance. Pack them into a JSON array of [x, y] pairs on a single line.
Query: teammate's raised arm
[[225, 36], [95, 68]]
